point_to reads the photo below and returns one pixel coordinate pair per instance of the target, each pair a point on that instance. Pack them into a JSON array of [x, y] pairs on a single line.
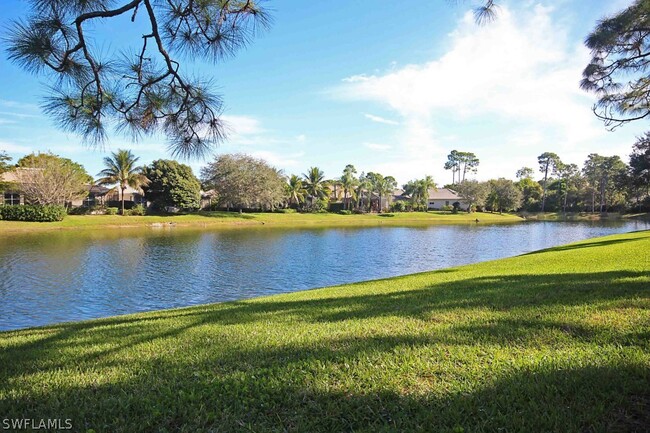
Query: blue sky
[[385, 87]]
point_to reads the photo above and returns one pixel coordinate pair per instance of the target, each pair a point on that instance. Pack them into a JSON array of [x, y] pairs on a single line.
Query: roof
[[13, 174], [98, 189], [443, 194]]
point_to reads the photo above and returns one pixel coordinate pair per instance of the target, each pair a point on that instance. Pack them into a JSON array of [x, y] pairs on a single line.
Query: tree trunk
[[544, 192], [593, 200], [602, 194], [123, 189]]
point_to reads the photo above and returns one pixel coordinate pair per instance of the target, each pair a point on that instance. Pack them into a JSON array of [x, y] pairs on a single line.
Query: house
[[132, 197], [97, 195], [438, 198], [11, 195]]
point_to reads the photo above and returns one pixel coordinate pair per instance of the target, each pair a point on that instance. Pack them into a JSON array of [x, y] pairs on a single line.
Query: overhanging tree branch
[[144, 92]]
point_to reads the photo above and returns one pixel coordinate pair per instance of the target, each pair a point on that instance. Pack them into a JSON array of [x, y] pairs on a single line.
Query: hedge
[[32, 213]]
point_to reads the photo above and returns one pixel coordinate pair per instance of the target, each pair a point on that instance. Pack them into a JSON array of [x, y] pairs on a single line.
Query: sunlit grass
[[235, 219], [556, 340]]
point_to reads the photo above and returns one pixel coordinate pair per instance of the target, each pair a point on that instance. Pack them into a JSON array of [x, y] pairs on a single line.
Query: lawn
[[556, 341], [235, 219]]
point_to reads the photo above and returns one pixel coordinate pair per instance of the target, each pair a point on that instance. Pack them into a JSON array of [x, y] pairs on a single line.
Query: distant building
[[10, 196], [441, 197], [97, 195]]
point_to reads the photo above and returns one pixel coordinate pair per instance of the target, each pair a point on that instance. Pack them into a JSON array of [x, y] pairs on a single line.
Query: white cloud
[[10, 147], [18, 105], [242, 125], [280, 160], [377, 146], [379, 119], [520, 72]]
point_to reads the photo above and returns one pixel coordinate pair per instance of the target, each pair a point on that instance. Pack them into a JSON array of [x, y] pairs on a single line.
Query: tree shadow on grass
[[525, 294], [211, 368], [303, 389], [581, 245]]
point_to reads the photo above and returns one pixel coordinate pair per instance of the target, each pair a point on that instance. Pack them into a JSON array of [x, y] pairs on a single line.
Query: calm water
[[67, 276]]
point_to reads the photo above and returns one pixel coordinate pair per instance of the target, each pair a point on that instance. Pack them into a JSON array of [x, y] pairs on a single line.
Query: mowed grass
[[552, 341], [235, 219]]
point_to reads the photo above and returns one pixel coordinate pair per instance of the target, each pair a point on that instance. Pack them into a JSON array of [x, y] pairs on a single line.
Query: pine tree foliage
[[143, 91]]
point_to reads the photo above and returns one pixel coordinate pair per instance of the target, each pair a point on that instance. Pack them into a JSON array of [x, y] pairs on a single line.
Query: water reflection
[[63, 276]]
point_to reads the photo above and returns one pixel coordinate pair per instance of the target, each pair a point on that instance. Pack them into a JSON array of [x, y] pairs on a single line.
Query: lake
[[66, 276]]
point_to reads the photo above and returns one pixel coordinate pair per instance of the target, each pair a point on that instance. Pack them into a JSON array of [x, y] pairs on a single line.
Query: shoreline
[[218, 220]]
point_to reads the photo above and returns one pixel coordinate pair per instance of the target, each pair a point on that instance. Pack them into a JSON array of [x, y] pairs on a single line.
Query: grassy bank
[[234, 219], [557, 340], [582, 216]]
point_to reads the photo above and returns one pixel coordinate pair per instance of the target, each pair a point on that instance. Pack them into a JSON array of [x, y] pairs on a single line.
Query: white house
[[445, 197]]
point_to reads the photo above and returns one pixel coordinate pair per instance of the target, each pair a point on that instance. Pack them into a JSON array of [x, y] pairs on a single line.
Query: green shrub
[[345, 212], [447, 208], [111, 211], [33, 213], [137, 210], [399, 206], [387, 215], [288, 210]]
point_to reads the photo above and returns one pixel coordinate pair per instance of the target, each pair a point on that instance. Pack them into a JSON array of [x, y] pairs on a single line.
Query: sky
[[373, 83]]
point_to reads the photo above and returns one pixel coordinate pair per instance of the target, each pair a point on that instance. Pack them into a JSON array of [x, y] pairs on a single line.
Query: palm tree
[[121, 169], [315, 184], [384, 186], [349, 182], [363, 184], [296, 190]]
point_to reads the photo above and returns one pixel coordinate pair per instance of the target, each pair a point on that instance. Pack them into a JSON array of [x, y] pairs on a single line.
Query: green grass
[[234, 219], [581, 216], [553, 341]]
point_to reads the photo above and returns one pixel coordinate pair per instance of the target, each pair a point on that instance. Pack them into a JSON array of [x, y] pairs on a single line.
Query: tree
[[4, 167], [469, 163], [47, 179], [121, 170], [474, 192], [504, 195], [349, 183], [364, 185], [549, 163], [171, 184], [525, 173], [531, 192], [315, 184], [640, 164], [618, 70], [4, 160], [603, 172], [419, 191], [453, 164], [381, 186], [143, 92], [244, 182], [295, 190], [570, 177]]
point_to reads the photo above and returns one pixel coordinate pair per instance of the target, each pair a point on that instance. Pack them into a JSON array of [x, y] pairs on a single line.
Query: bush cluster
[[32, 213], [137, 210]]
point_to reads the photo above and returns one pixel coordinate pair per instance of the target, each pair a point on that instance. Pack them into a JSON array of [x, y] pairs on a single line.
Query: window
[[12, 199], [447, 203], [89, 201]]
